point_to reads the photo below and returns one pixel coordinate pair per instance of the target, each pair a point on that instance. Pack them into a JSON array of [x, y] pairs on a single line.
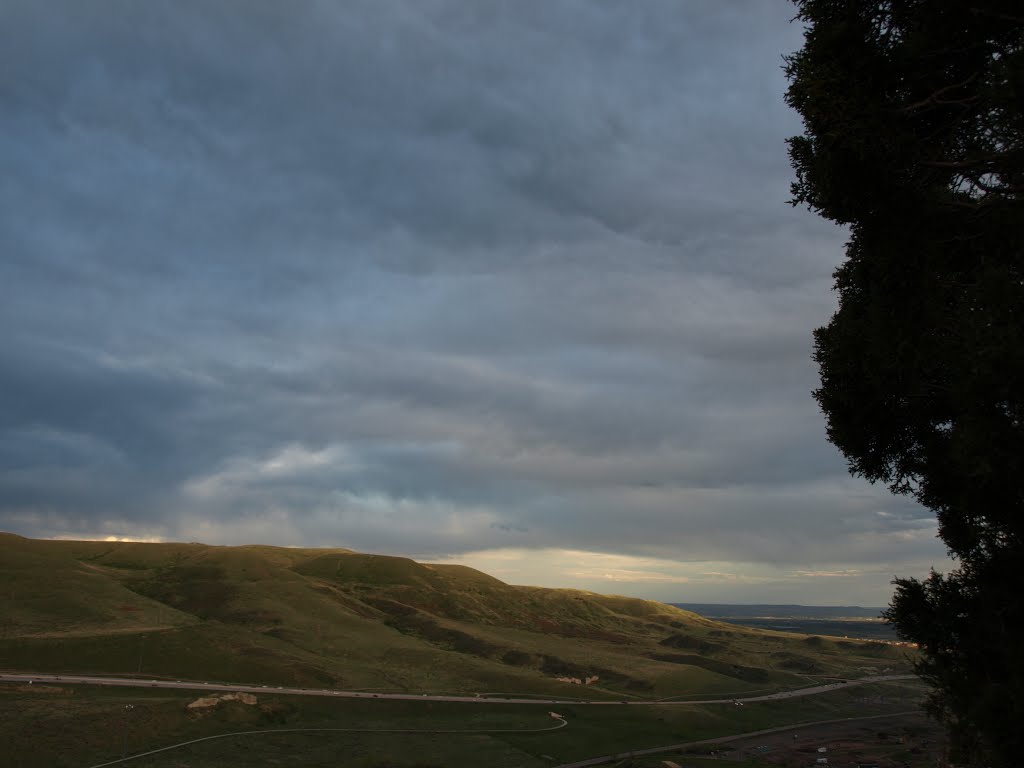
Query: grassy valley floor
[[82, 726]]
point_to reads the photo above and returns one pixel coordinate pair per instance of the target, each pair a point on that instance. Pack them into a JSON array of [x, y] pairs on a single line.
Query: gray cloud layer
[[418, 277]]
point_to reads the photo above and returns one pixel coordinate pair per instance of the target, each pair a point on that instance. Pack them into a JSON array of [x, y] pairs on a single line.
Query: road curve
[[561, 724], [723, 739], [192, 685]]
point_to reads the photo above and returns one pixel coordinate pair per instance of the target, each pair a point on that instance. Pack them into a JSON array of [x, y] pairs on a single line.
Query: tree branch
[[994, 15], [974, 162], [933, 98]]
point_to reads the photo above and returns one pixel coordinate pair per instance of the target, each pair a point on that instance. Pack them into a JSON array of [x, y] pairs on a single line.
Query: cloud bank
[[437, 278]]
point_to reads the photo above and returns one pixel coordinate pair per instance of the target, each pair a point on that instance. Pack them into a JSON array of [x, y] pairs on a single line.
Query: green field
[[345, 620], [312, 617], [85, 725]]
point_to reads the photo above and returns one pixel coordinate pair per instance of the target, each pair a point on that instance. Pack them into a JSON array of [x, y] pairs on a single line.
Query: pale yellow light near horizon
[[611, 573], [575, 565]]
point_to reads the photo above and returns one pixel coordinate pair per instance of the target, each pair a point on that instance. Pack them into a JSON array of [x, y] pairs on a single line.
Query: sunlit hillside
[[358, 621]]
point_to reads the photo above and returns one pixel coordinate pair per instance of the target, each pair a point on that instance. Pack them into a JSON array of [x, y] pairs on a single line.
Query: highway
[[208, 687], [191, 685]]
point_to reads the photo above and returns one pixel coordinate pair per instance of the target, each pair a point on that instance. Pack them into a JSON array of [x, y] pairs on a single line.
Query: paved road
[[491, 699], [723, 739]]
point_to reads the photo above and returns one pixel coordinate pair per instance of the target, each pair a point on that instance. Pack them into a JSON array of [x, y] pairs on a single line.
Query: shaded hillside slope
[[335, 617]]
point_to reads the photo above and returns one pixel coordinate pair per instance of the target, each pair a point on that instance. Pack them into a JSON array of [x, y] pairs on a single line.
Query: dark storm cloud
[[419, 277]]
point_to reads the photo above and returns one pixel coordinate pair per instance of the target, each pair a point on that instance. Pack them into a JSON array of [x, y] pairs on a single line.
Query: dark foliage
[[914, 138]]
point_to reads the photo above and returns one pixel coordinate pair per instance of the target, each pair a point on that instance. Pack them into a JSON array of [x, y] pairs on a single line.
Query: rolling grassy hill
[[358, 621]]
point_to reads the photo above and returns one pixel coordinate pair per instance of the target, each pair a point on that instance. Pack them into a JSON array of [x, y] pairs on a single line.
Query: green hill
[[334, 617]]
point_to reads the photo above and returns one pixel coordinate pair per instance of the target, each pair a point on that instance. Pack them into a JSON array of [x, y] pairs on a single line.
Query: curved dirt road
[[561, 724], [724, 739]]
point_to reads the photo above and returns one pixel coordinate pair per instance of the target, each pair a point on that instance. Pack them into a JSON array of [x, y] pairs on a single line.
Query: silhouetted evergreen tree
[[914, 138]]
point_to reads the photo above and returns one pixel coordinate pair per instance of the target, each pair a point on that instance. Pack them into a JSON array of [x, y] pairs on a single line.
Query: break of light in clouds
[[486, 282]]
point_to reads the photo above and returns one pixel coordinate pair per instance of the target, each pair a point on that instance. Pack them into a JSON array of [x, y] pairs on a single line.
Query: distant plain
[[855, 622]]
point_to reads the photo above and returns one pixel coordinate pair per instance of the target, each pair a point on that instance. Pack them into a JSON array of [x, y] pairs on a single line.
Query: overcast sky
[[513, 284]]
